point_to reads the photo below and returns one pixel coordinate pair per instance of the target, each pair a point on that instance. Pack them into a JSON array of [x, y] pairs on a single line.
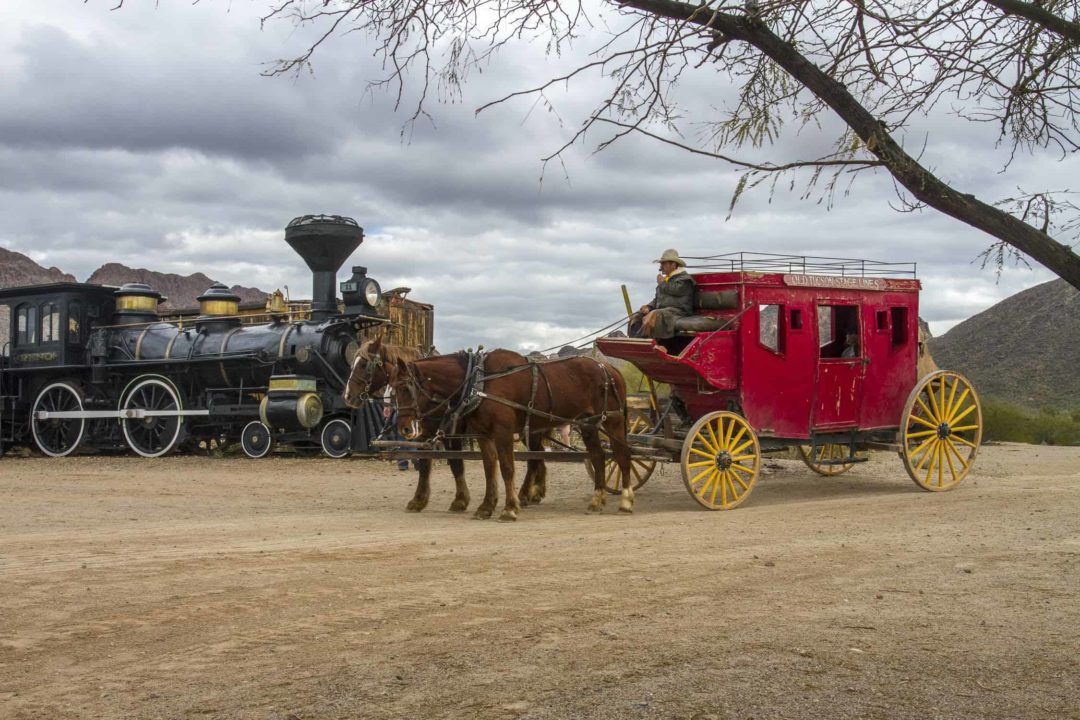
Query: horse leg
[[504, 445], [538, 489], [528, 493], [457, 467], [615, 426], [423, 487], [591, 438], [491, 493]]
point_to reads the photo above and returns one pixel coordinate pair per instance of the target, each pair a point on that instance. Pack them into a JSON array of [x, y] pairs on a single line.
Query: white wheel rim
[[325, 437], [247, 447], [167, 446], [34, 422]]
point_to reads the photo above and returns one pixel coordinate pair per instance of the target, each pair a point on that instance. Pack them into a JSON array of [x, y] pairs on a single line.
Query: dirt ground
[[293, 589]]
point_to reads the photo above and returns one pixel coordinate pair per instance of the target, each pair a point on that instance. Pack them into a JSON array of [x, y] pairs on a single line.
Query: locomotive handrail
[[802, 264]]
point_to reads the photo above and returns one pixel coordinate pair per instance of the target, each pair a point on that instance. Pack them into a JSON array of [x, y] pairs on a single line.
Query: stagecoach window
[[882, 320], [50, 322], [835, 322], [26, 325], [74, 321], [796, 319], [770, 327], [899, 326]]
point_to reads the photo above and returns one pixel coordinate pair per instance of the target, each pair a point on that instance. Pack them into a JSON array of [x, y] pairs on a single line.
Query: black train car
[[92, 366]]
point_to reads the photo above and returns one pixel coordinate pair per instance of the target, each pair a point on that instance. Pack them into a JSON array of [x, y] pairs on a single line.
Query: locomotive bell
[[291, 403], [324, 242]]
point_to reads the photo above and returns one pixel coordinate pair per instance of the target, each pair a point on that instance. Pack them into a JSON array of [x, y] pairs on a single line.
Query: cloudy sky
[[148, 136]]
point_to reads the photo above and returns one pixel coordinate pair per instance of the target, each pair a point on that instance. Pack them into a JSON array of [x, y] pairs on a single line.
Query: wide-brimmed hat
[[671, 255]]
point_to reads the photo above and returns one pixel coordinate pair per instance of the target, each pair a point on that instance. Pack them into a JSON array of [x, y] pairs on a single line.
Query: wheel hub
[[723, 460], [943, 431]]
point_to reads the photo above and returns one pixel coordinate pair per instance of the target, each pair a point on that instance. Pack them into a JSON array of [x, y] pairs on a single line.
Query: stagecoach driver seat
[[674, 299]]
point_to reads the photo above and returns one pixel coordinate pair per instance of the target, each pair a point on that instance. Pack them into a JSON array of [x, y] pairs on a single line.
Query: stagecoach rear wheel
[[153, 434], [721, 460], [940, 431], [817, 458], [640, 469], [255, 440], [336, 438], [57, 437]]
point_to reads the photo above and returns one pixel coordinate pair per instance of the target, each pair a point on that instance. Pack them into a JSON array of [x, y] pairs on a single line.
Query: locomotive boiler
[[94, 366]]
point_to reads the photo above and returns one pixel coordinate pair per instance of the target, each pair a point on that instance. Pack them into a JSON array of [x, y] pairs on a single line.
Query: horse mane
[[400, 352]]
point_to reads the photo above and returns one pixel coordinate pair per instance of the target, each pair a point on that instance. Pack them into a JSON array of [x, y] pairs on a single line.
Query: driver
[[674, 299]]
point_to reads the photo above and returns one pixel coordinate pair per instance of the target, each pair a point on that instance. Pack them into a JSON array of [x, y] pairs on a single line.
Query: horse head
[[368, 375]]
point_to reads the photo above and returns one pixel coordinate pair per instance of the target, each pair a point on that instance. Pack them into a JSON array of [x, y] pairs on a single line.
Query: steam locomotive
[[90, 366]]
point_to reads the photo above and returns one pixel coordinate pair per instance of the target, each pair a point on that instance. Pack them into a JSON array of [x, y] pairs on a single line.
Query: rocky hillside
[[181, 290], [1024, 350], [16, 269]]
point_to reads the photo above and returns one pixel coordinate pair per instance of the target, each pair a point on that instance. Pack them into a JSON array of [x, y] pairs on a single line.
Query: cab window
[[50, 322], [26, 325]]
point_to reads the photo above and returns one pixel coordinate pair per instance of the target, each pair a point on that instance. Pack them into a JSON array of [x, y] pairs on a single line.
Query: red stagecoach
[[816, 353]]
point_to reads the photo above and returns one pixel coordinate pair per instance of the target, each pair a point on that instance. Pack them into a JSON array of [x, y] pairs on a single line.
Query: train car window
[[26, 325], [50, 322], [771, 327], [74, 321], [838, 331], [899, 326], [5, 325]]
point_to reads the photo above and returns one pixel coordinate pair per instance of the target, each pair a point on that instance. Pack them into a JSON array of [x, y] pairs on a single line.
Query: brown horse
[[581, 389], [373, 368]]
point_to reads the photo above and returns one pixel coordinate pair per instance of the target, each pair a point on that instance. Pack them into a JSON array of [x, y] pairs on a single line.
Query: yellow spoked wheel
[[640, 470], [817, 459], [721, 460], [940, 431]]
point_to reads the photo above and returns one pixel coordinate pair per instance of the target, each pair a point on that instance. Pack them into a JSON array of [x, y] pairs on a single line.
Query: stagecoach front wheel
[[640, 469], [940, 431], [818, 458], [721, 460]]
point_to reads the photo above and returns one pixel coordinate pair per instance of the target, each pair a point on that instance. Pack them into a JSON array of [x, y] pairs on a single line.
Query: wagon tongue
[[324, 242]]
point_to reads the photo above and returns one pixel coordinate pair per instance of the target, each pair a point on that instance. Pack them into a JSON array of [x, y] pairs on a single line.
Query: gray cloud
[[148, 137]]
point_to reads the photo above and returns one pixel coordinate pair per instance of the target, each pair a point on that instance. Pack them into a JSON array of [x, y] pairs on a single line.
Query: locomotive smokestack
[[325, 242]]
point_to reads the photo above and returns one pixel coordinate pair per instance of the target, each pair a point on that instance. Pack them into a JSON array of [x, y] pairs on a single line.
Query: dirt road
[[299, 589]]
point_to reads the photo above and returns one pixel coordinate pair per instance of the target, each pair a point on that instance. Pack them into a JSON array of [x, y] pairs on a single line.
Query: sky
[[149, 136]]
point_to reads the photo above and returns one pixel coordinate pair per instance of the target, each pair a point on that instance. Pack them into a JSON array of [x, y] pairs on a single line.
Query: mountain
[[1024, 350], [16, 269], [181, 290]]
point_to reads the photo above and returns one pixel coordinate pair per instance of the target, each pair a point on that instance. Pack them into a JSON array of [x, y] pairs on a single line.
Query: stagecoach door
[[841, 368]]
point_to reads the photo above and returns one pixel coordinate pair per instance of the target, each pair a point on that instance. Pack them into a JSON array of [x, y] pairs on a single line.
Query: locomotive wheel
[[255, 440], [940, 431], [640, 470], [155, 435], [336, 438], [57, 437], [826, 451], [721, 460]]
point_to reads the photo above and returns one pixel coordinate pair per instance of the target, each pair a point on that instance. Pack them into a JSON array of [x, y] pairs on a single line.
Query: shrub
[[1003, 421]]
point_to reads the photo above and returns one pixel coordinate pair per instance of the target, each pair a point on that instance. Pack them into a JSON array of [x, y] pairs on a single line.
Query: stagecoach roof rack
[[801, 264]]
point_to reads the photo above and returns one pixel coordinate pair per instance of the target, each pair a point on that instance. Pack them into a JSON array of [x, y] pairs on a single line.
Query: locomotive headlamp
[[362, 295], [372, 292]]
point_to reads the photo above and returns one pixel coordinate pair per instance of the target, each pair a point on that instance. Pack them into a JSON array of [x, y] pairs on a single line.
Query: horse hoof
[[628, 509], [595, 508], [415, 506], [523, 501], [535, 496], [459, 506], [482, 514], [508, 516]]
